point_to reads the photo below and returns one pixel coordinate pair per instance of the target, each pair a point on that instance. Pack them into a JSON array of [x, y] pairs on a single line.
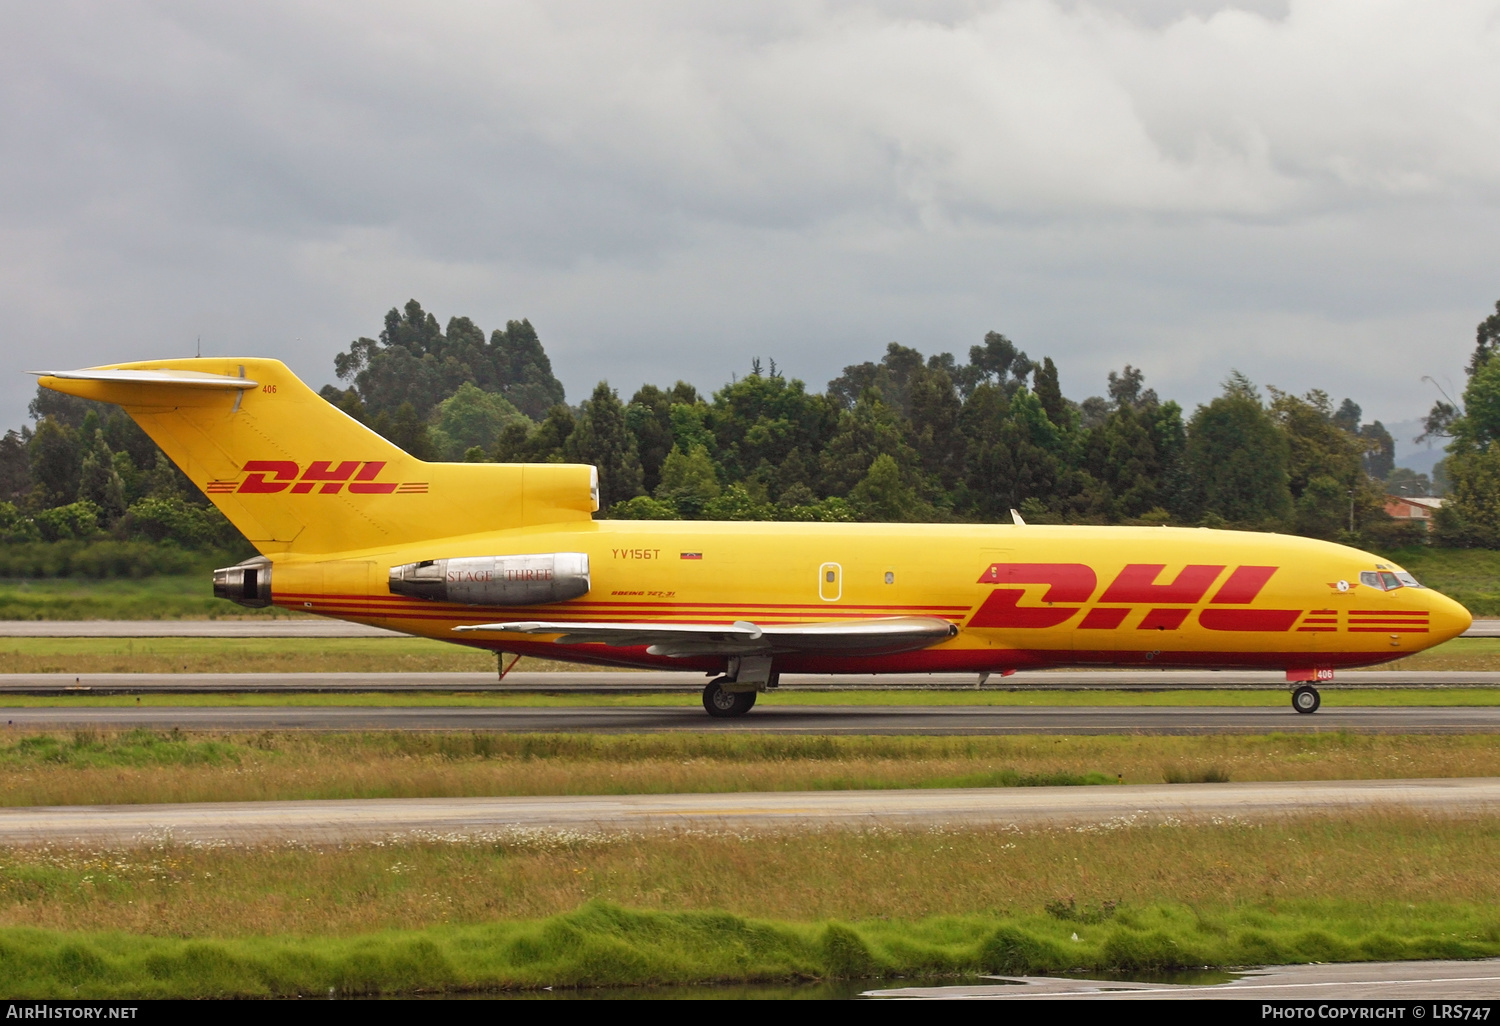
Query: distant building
[[1413, 507]]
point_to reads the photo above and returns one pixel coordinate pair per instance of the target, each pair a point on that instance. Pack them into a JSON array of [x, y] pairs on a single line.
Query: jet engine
[[248, 583], [495, 580]]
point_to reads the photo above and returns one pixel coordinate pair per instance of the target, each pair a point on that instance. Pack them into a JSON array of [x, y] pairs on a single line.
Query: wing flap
[[876, 636]]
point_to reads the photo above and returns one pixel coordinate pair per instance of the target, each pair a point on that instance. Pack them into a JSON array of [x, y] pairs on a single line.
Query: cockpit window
[[1385, 580], [1382, 580]]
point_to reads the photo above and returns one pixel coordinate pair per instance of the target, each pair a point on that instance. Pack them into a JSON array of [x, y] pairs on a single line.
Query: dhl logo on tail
[[322, 477]]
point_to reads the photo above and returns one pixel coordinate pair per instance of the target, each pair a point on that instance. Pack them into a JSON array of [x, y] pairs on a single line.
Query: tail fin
[[296, 474]]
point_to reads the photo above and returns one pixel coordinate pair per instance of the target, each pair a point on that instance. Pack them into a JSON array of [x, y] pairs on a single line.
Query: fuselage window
[[1408, 580]]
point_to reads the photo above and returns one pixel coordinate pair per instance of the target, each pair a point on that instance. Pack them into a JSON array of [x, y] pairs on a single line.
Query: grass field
[[161, 597], [544, 909], [1458, 654], [88, 768], [1470, 576], [418, 655], [241, 655]]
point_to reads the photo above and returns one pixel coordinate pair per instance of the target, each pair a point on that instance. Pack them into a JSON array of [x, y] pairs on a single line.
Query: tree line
[[908, 437]]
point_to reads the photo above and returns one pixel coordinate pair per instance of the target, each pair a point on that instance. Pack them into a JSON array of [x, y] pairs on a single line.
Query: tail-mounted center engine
[[248, 583], [495, 580]]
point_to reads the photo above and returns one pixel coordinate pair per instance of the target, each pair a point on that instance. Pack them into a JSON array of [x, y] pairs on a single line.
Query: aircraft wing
[[877, 636]]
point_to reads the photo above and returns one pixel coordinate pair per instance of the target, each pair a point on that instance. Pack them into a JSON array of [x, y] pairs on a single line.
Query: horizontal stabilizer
[[183, 378], [881, 635]]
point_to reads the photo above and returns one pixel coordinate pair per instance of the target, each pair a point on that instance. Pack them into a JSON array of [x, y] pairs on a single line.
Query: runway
[[768, 718], [458, 818], [617, 682]]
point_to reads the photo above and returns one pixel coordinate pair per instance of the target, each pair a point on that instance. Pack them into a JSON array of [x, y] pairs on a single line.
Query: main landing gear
[[723, 703], [1306, 699]]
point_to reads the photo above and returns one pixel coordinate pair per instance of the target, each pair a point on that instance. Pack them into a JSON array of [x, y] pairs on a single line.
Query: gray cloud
[[1305, 191]]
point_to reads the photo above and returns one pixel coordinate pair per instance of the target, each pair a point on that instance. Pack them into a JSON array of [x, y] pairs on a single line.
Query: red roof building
[[1413, 507]]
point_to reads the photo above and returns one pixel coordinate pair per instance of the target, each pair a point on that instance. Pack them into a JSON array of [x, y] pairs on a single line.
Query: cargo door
[[830, 582]]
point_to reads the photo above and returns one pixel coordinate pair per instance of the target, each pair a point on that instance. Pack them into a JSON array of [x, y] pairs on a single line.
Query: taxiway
[[769, 718]]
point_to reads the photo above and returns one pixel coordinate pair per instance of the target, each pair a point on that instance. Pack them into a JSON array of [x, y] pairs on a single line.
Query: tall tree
[[649, 417], [887, 494], [891, 377], [689, 481], [997, 362], [547, 442], [602, 439], [1471, 516], [408, 430], [1237, 459], [1326, 465], [470, 418], [933, 409], [523, 369], [1049, 393], [1348, 416], [56, 458], [15, 466], [1486, 340], [1125, 389], [1010, 454], [414, 361], [98, 480], [757, 423], [1122, 455], [1380, 450], [873, 428]]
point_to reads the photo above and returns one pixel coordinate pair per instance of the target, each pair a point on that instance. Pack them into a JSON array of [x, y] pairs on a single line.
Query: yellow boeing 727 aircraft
[[509, 558]]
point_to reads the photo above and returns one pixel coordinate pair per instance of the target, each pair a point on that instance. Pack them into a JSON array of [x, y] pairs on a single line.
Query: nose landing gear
[[1306, 699], [1305, 696]]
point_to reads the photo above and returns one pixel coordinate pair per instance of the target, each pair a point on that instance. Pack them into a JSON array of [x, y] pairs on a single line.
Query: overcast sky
[[1305, 191]]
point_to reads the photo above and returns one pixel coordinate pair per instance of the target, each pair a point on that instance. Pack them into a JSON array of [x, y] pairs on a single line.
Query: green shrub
[[172, 519], [96, 559], [64, 523]]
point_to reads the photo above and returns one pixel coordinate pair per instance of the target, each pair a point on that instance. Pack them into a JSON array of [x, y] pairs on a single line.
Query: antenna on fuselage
[[1015, 518]]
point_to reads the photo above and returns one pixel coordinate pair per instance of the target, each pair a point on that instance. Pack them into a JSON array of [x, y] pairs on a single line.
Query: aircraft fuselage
[[1021, 596]]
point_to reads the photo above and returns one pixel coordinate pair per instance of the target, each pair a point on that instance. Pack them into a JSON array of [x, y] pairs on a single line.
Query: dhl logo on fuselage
[[1168, 604], [321, 477]]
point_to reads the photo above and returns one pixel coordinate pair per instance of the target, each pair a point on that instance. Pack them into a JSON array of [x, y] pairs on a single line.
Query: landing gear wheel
[[723, 703], [1306, 699]]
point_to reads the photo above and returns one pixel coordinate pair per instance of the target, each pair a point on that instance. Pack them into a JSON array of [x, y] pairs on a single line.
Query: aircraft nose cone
[[1448, 619]]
